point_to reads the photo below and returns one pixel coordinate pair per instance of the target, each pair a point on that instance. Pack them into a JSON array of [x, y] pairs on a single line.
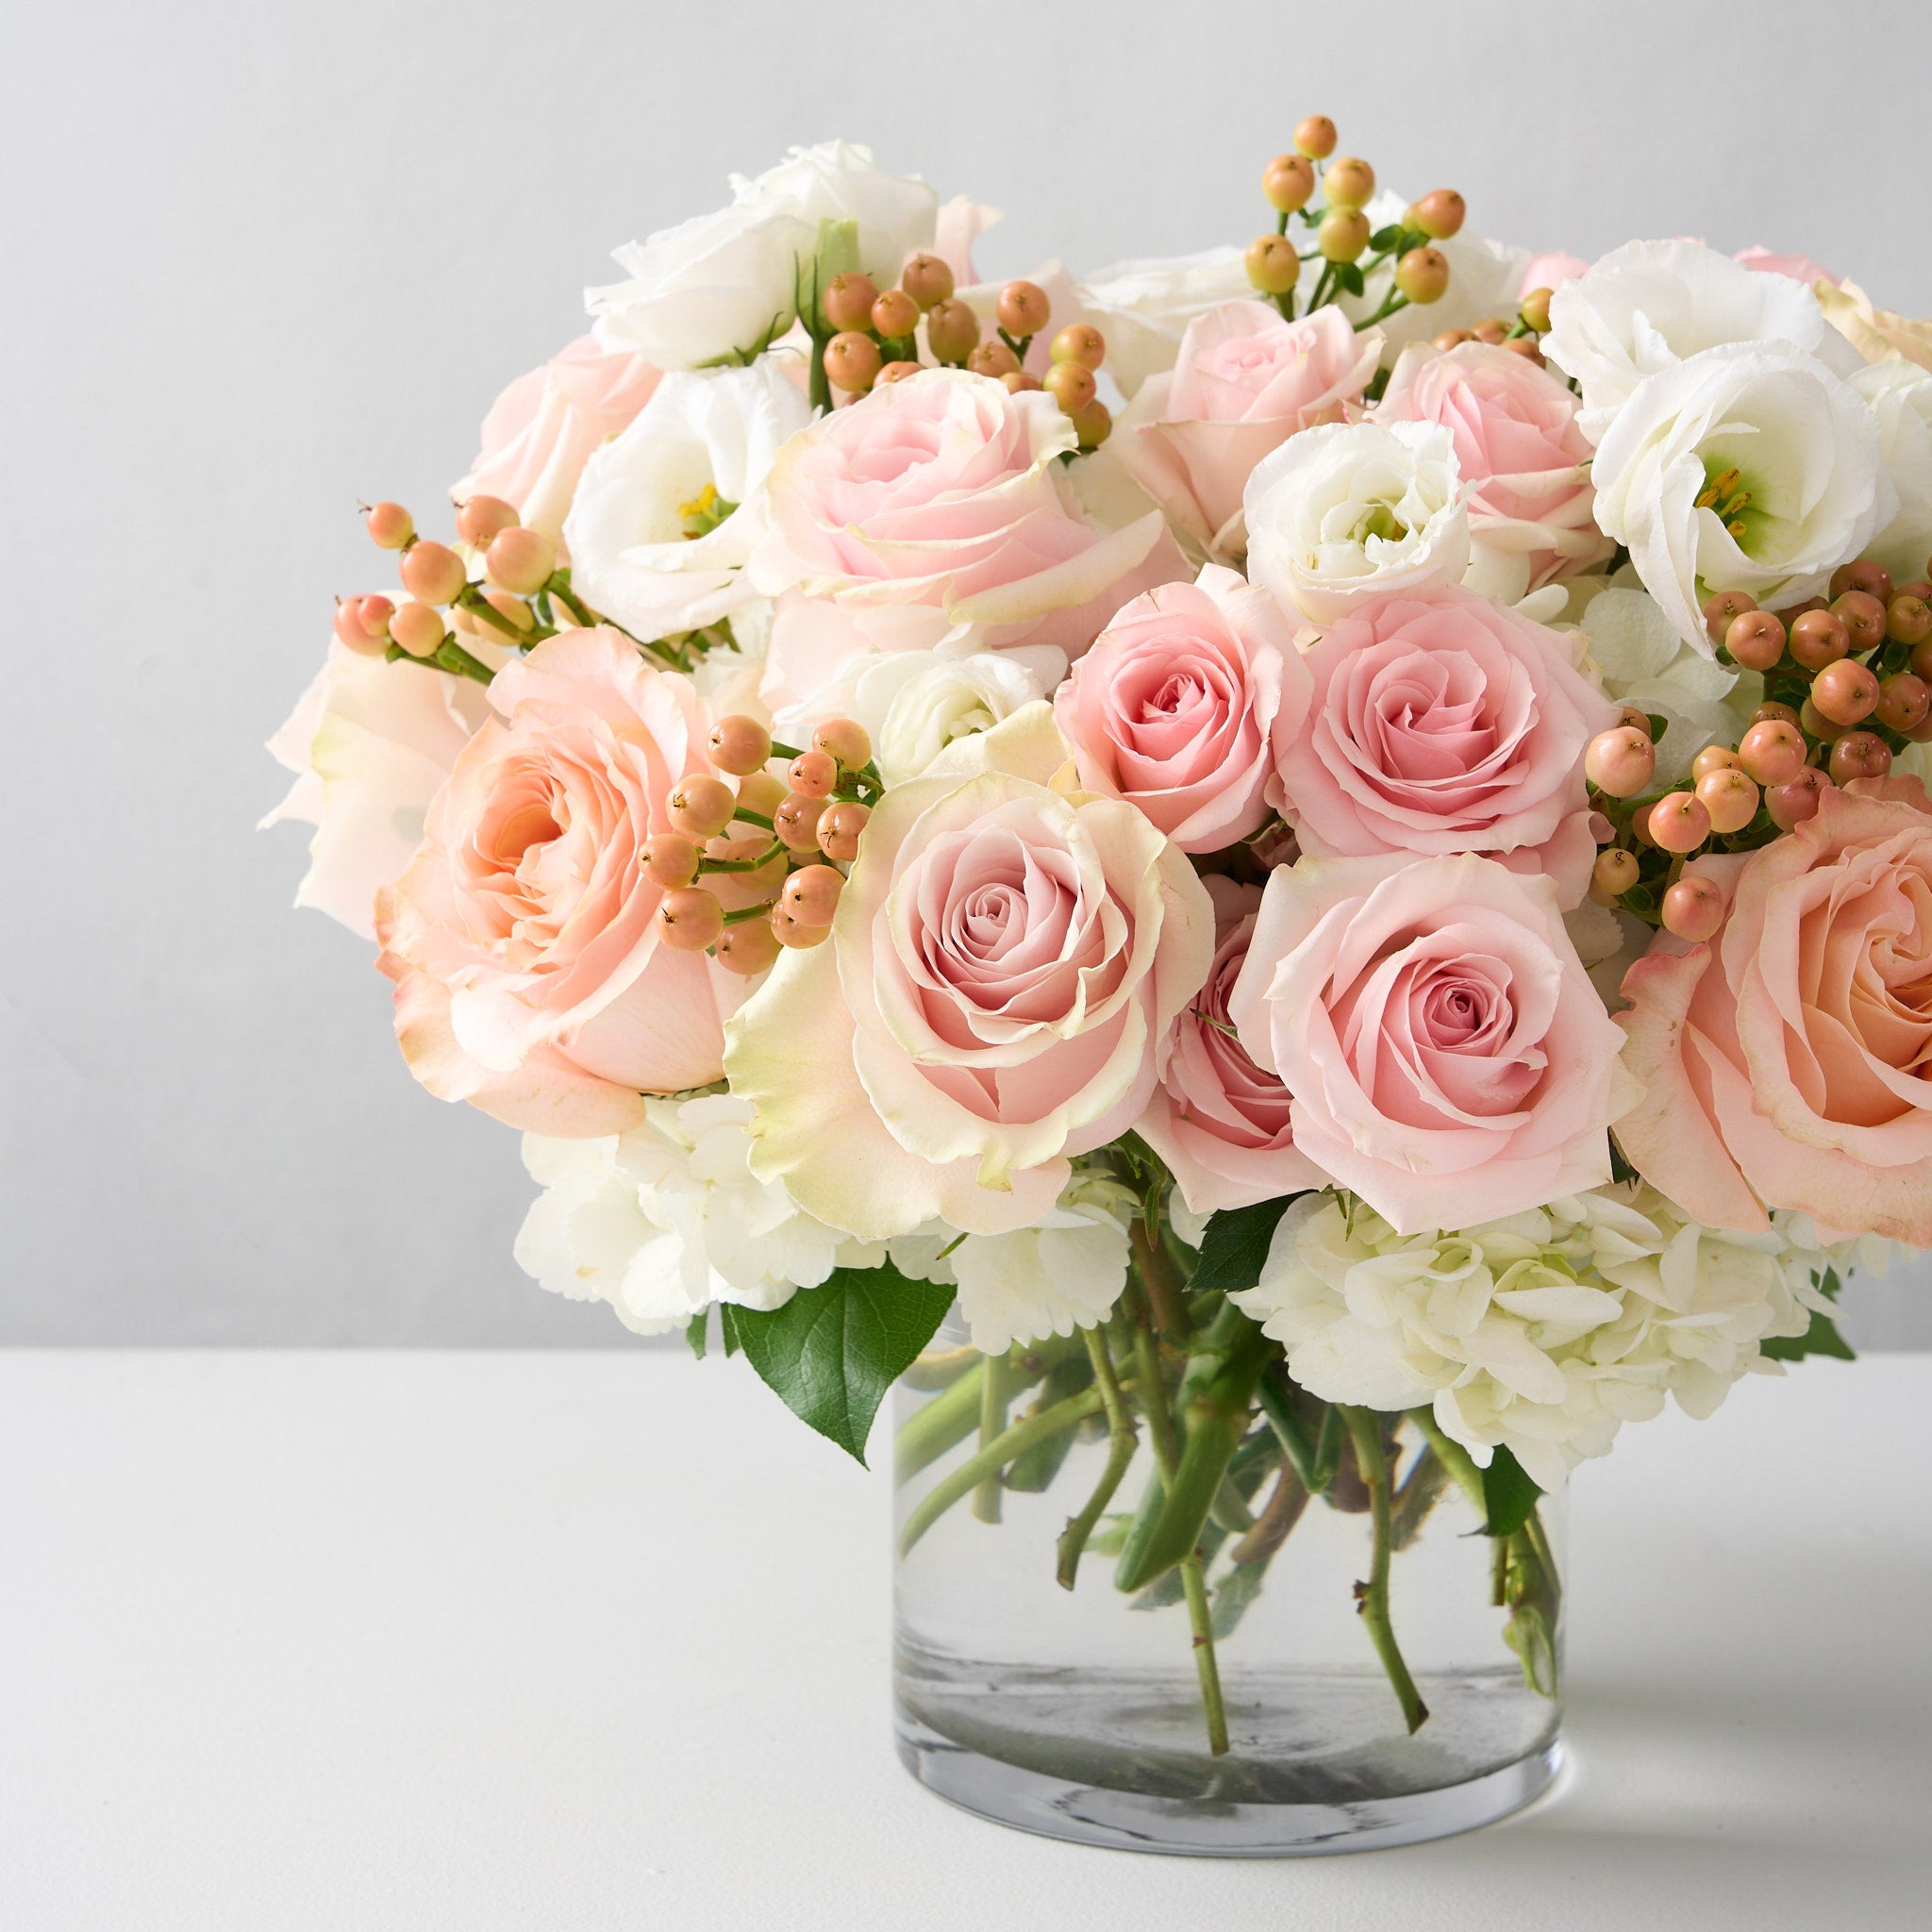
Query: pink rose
[[1004, 958], [1552, 271], [541, 431], [1789, 1062], [522, 940], [1518, 449], [1173, 707], [1441, 723], [1445, 1056], [1246, 381], [1800, 268], [937, 508], [1219, 1121]]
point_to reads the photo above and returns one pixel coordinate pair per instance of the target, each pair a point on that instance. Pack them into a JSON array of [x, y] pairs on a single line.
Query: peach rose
[[1441, 723], [1173, 707], [1789, 1062], [1445, 1056], [1518, 449], [541, 431], [1005, 956], [1219, 1121], [522, 940], [1551, 271], [1246, 381]]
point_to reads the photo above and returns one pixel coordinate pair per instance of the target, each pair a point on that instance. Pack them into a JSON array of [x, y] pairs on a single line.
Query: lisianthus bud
[[790, 931], [1678, 822], [1022, 309], [1773, 751], [848, 301], [689, 919], [1289, 183], [951, 330], [1730, 798], [740, 745], [1534, 310], [1350, 182], [1903, 702], [1693, 908], [927, 279], [1316, 137], [1820, 638], [482, 517], [417, 628], [1343, 234], [838, 829], [1866, 576], [1846, 693], [1756, 640], [748, 947], [1273, 265], [1093, 424], [1440, 214], [843, 740], [1793, 803], [796, 821], [1071, 386], [519, 560], [1620, 761], [389, 525], [1863, 617], [1423, 276], [701, 806], [896, 314], [1079, 341], [672, 859], [811, 895], [1859, 755], [433, 572], [853, 363]]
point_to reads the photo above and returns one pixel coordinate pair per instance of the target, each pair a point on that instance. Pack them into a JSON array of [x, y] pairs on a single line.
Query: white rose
[[665, 1220], [1900, 394], [1351, 509], [1144, 308], [837, 180], [1649, 305], [1748, 467], [1062, 1274], [643, 493]]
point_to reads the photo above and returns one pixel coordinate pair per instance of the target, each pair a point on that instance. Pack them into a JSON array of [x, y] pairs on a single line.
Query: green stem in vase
[[947, 1418], [1365, 1433], [1124, 1440], [993, 1422]]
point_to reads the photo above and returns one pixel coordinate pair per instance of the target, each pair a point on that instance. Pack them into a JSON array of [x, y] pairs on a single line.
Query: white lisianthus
[[1144, 308], [667, 1219], [728, 284], [1648, 305], [1641, 659], [1749, 467], [1899, 396], [665, 515], [1064, 1272], [1545, 1332], [1353, 509]]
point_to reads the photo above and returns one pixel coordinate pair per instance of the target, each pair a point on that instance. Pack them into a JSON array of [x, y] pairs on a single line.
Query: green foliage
[[832, 1352], [694, 1333], [1235, 1246], [1509, 1494]]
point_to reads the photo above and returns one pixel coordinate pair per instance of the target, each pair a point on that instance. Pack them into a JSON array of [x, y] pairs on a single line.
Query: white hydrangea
[[1545, 1332], [665, 1220]]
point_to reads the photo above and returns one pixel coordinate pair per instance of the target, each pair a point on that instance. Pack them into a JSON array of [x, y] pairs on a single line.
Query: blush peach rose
[[1445, 1056], [1246, 379], [1441, 723], [1789, 1062], [1006, 953], [1219, 1121], [1174, 706], [530, 979]]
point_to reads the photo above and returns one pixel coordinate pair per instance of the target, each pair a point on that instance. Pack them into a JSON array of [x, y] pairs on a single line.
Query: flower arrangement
[[1328, 838]]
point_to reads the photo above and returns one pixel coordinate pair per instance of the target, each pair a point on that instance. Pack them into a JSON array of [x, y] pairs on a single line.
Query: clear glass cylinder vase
[[1253, 1701]]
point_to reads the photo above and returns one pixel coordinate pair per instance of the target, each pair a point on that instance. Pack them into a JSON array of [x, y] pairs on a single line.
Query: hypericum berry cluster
[[873, 340], [744, 866], [1847, 684], [1521, 336], [1346, 247]]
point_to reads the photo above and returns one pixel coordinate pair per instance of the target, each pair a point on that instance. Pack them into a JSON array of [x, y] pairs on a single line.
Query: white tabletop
[[588, 1641]]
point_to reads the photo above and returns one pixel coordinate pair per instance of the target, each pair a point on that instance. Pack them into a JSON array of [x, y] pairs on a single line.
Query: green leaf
[[1658, 725], [1383, 239], [832, 1352], [1349, 277], [1508, 1494], [1822, 1338], [1235, 1246], [1621, 1170], [694, 1333]]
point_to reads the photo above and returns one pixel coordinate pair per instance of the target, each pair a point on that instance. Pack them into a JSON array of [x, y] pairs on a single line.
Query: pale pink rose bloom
[[1519, 448], [1445, 1055], [1800, 268], [937, 508], [1246, 379], [1789, 1062], [1175, 707], [1552, 271], [1441, 723], [1006, 957], [1220, 1122], [539, 432], [530, 979]]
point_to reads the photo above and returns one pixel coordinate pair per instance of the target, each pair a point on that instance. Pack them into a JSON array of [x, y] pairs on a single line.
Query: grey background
[[260, 259]]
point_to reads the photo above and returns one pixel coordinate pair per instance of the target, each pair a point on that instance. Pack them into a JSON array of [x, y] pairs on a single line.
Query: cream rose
[[1144, 308]]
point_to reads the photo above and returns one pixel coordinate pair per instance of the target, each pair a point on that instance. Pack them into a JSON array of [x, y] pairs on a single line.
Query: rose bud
[[1720, 609], [1693, 908], [839, 829], [482, 518], [1022, 309], [740, 745], [433, 572], [1679, 822], [701, 806], [689, 919], [389, 525], [1792, 805], [1773, 752], [1620, 761], [927, 279], [1730, 798], [1874, 579], [848, 301], [843, 740], [1755, 638], [853, 363]]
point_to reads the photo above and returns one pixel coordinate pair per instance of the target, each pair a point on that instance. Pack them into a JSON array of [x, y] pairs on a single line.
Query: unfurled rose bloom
[[1220, 1122], [914, 704], [666, 514], [1004, 960], [1785, 1063], [1797, 268], [523, 937], [1762, 433], [1445, 1056], [541, 430], [1174, 706], [1144, 308], [1519, 451], [1650, 304], [1246, 379], [1875, 333], [1357, 509], [933, 511], [370, 745], [1441, 723], [1551, 272], [1899, 396]]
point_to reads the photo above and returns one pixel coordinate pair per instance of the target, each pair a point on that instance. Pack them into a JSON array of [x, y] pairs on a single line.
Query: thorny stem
[[1124, 1440], [1365, 1433], [1162, 1285]]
